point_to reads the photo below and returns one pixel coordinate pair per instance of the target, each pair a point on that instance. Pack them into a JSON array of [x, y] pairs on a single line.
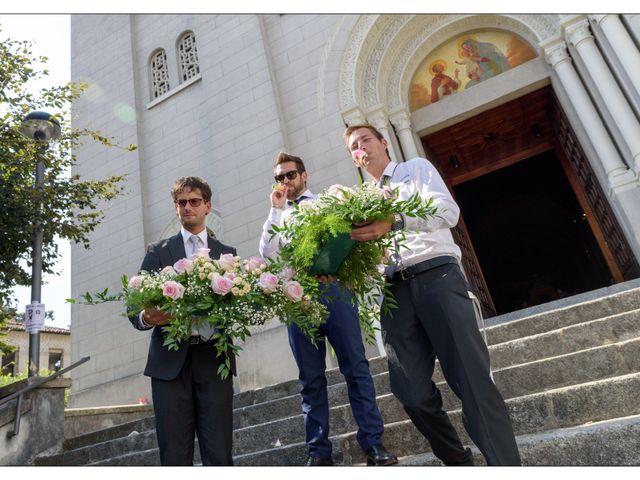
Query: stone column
[[578, 33], [556, 55], [401, 120], [623, 44], [378, 118]]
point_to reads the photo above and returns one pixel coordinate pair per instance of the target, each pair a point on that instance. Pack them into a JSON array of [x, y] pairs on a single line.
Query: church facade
[[532, 120]]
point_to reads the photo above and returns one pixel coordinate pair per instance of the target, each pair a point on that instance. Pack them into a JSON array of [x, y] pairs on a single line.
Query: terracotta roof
[[47, 329]]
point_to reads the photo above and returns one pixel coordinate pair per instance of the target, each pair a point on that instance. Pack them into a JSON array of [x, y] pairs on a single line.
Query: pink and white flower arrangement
[[229, 293]]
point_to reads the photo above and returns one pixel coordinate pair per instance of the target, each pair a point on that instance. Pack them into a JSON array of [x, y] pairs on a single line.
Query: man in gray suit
[[188, 395]]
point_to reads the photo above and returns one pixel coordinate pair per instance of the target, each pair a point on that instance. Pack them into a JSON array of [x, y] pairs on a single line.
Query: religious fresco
[[464, 62]]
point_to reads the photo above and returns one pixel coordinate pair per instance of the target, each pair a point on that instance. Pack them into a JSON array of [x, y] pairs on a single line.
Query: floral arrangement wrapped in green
[[227, 293], [328, 221]]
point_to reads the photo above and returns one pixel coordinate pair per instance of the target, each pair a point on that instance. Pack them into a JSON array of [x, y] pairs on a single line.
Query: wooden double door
[[535, 224]]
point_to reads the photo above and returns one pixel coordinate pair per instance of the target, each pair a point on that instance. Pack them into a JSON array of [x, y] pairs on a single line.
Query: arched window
[[188, 56], [159, 74]]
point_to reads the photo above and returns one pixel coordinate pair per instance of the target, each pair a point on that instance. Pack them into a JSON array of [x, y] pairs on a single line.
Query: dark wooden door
[[512, 132]]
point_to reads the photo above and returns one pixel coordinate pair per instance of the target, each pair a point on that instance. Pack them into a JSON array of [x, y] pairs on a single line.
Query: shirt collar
[[306, 194], [389, 169], [186, 234]]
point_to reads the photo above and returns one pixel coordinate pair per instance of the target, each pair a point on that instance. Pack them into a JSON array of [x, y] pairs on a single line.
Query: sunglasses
[[194, 202], [290, 175]]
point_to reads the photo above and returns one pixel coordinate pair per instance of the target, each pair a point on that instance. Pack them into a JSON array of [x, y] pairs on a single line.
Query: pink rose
[[337, 191], [226, 262], [173, 290], [183, 265], [221, 285], [360, 153], [288, 273], [268, 282], [202, 252], [135, 282], [293, 291], [230, 275], [169, 271], [255, 263]]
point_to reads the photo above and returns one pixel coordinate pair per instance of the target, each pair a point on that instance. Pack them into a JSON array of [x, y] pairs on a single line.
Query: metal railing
[[35, 384]]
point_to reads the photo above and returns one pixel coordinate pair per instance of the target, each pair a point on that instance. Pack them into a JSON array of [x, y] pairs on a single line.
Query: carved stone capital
[[378, 118], [578, 32], [401, 119], [555, 53], [354, 116]]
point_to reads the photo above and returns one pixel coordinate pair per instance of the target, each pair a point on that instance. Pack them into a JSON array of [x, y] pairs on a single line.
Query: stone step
[[558, 408], [117, 431], [610, 442], [583, 366], [292, 387], [605, 306], [557, 345], [616, 304], [602, 331]]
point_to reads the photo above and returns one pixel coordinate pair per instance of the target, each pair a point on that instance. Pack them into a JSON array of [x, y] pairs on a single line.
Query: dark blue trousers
[[342, 329]]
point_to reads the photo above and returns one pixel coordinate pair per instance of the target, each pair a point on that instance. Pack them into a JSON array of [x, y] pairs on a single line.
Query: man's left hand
[[372, 231]]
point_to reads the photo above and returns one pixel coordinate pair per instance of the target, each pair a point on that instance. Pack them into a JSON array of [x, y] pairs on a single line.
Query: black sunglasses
[[290, 175], [194, 202]]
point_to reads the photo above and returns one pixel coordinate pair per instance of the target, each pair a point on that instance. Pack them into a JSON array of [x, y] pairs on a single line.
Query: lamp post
[[42, 128]]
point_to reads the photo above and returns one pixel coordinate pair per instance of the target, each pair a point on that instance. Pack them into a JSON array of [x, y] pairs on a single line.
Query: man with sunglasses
[[342, 329], [189, 396]]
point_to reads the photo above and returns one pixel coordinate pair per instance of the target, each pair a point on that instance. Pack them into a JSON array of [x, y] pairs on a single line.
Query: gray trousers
[[436, 318]]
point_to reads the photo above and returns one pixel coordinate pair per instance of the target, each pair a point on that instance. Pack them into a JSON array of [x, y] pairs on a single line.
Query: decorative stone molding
[[378, 118], [579, 32], [354, 116], [346, 92], [384, 51], [555, 52], [401, 119]]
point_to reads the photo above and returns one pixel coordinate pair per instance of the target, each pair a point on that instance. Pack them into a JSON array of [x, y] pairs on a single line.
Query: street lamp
[[41, 127]]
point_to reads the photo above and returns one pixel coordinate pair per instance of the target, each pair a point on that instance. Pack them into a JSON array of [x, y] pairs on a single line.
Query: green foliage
[[9, 379], [339, 210], [66, 207]]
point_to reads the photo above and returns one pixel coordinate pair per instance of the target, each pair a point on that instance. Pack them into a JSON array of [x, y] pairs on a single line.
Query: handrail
[[35, 384]]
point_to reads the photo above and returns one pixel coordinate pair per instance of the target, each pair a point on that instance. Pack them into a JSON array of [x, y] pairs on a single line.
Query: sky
[[51, 38]]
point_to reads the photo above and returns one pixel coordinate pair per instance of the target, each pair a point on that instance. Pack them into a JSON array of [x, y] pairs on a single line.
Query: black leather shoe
[[465, 461], [318, 462], [379, 456]]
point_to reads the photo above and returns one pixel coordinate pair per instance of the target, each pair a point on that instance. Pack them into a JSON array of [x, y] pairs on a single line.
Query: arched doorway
[[535, 224]]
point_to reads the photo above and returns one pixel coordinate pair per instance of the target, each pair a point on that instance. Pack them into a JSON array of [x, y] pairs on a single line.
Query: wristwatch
[[398, 222]]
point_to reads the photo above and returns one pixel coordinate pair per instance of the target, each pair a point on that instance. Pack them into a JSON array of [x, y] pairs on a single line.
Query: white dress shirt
[[430, 238], [269, 247]]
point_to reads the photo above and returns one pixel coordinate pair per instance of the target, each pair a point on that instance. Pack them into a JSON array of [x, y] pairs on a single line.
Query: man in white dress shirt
[[435, 316], [342, 329]]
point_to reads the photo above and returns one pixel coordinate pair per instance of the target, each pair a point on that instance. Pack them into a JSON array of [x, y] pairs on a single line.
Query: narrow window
[[55, 360], [188, 56], [159, 74]]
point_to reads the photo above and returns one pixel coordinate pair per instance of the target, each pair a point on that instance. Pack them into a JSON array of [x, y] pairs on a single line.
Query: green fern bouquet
[[329, 220]]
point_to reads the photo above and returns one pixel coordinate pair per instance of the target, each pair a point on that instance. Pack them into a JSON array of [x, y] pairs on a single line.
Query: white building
[[533, 120]]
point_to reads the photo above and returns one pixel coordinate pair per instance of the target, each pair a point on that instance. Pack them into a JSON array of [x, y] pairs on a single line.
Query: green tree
[[67, 206]]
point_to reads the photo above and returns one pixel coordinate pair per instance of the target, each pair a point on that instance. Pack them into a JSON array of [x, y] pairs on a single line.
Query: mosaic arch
[[465, 61]]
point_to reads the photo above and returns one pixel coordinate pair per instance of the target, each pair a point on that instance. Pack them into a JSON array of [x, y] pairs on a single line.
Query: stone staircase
[[570, 377]]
